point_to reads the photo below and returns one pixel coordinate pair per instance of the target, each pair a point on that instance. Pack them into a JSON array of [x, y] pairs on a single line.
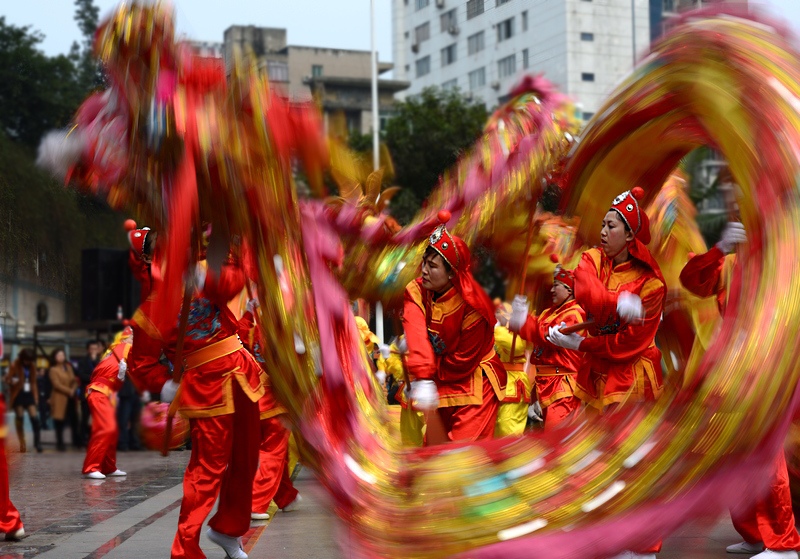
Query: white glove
[[629, 307], [14, 380], [519, 313], [381, 377], [123, 368], [424, 395], [200, 275], [386, 352], [732, 235], [169, 390], [145, 397], [535, 411], [299, 346], [252, 305], [402, 345], [567, 341]]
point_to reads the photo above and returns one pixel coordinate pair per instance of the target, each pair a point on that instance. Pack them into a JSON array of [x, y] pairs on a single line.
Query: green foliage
[[427, 134], [37, 93]]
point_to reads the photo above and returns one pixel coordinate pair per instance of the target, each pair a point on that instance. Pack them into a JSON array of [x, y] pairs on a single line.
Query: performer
[[616, 285], [449, 322], [106, 380], [273, 452], [556, 367], [10, 521], [24, 395], [512, 417], [768, 522], [219, 391]]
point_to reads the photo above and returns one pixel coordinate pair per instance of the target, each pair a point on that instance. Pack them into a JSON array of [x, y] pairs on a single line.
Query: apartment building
[[484, 47]]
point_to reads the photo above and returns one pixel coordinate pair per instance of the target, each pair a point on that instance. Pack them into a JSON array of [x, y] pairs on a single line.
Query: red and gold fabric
[[273, 457], [105, 377], [555, 368], [769, 520], [10, 520], [623, 363], [512, 415], [214, 357], [249, 333], [451, 343], [101, 453], [412, 422]]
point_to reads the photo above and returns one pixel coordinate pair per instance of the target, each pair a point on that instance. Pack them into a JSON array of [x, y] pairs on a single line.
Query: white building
[[485, 46]]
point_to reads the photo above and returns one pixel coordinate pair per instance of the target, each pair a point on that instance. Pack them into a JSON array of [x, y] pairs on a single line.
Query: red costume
[[451, 341], [219, 391], [556, 367], [10, 522], [623, 363], [141, 263], [770, 520], [101, 454], [272, 479]]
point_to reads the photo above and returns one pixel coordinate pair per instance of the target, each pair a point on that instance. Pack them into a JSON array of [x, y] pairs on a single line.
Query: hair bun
[[444, 216], [129, 225], [638, 192], [553, 258]]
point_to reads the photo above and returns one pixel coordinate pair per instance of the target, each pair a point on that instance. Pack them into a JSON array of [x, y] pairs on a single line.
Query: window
[[450, 84], [422, 33], [505, 29], [587, 116], [524, 59], [449, 55], [587, 77], [448, 20], [587, 36], [423, 66], [474, 8], [501, 2], [316, 71], [524, 21], [668, 6], [422, 4], [507, 66], [278, 71], [475, 43], [477, 78]]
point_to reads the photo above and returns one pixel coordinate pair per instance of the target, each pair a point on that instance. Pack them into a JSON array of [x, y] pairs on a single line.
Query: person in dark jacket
[[86, 365]]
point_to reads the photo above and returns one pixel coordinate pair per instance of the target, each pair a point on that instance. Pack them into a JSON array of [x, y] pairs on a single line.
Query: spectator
[[45, 389], [24, 396], [129, 411], [86, 365], [65, 385]]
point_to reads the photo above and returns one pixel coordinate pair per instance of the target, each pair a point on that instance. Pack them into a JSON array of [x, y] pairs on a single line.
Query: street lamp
[[376, 123]]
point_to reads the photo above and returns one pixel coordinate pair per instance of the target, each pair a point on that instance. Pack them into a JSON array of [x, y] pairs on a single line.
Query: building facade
[[338, 79], [484, 47], [664, 12]]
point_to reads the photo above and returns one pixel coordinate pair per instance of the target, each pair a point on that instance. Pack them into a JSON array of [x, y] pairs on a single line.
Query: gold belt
[[229, 345], [514, 366], [552, 371]]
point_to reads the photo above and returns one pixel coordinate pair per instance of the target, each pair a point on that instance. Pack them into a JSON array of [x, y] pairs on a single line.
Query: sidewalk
[[68, 517]]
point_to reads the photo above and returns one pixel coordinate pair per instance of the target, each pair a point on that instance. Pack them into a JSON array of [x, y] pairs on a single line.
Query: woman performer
[[616, 285], [512, 417], [107, 378], [556, 367], [768, 522], [23, 393], [449, 322]]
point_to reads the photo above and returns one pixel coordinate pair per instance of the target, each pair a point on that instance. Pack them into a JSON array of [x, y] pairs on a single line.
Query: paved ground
[[68, 517]]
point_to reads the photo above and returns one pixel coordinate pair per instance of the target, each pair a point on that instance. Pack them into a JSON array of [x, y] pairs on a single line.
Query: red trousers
[[101, 454], [224, 461], [561, 410], [10, 521], [286, 491], [770, 520], [474, 422], [273, 457]]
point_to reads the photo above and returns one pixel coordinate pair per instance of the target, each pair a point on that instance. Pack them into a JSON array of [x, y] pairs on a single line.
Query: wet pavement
[[68, 517]]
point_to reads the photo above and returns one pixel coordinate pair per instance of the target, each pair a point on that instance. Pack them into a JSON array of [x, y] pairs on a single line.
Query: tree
[[428, 133], [90, 74]]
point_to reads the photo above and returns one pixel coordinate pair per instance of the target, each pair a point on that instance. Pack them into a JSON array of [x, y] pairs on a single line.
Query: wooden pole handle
[[576, 327]]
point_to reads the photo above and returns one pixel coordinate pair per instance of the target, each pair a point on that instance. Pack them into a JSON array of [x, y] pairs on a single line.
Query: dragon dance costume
[[769, 520]]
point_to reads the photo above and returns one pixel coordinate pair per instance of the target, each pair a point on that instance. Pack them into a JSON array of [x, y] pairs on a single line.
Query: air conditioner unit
[[495, 84], [453, 29], [415, 47], [440, 4]]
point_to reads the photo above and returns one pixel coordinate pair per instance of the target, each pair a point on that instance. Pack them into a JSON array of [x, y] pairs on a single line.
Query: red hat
[[627, 206], [136, 237], [561, 275], [444, 243]]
